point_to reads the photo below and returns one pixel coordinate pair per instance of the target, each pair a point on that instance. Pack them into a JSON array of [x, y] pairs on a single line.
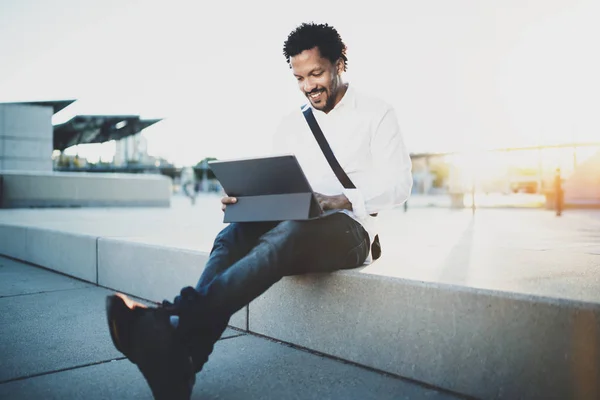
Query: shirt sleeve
[[389, 182]]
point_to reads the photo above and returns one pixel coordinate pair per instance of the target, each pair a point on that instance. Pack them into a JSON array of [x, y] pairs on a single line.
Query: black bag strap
[[335, 166], [326, 149]]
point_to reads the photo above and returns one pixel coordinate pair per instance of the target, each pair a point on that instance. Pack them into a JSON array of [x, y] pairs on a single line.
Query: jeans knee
[[225, 237], [290, 226]]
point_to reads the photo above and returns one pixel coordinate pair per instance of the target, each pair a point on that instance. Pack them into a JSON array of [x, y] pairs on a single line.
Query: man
[[171, 343]]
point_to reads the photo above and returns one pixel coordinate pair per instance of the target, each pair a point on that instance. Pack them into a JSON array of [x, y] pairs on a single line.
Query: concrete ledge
[[64, 189], [68, 253], [19, 164], [147, 271], [13, 241], [152, 272], [478, 342]]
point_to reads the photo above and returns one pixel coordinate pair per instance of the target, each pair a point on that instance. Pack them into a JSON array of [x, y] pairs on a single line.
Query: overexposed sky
[[460, 74]]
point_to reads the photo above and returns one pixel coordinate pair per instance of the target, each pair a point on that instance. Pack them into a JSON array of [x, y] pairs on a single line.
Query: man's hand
[[339, 202], [227, 200]]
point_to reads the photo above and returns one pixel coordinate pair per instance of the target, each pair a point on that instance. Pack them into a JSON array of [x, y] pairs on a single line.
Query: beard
[[330, 93]]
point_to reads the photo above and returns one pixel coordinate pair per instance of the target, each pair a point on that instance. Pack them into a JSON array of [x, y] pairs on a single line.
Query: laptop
[[267, 189]]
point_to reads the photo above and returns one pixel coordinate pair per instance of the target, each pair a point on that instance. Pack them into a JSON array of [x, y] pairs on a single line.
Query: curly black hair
[[310, 35]]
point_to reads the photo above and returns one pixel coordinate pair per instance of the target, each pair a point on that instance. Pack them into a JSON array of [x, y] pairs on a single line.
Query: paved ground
[[55, 345]]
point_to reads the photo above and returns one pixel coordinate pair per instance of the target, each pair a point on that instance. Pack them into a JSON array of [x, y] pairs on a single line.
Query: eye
[[318, 73], [299, 78]]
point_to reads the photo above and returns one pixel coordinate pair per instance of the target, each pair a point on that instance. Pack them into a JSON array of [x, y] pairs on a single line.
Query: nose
[[309, 85]]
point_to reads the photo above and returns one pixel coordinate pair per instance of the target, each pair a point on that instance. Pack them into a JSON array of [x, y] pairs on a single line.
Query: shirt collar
[[348, 100]]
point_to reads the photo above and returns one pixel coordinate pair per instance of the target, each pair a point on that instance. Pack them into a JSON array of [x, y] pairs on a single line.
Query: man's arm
[[388, 183]]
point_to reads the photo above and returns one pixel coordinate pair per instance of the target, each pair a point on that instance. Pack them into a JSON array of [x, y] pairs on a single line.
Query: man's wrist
[[357, 203], [335, 202]]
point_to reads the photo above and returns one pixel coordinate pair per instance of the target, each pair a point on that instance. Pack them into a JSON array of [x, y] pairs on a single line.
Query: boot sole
[[114, 310], [118, 315]]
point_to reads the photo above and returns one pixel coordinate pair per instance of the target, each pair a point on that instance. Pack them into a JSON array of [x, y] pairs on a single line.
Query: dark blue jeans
[[248, 258]]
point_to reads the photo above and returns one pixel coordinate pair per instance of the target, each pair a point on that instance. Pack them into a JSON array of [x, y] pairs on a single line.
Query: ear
[[339, 66]]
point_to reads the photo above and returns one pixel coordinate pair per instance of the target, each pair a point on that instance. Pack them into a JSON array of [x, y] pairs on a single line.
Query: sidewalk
[[55, 345]]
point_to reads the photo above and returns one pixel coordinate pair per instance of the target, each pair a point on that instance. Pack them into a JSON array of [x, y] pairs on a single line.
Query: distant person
[[559, 195], [171, 343], [189, 184]]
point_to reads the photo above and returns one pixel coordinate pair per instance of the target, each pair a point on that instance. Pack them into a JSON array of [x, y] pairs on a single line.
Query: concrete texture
[[152, 272], [28, 148], [30, 164], [519, 251], [180, 226], [26, 137], [268, 370], [56, 345], [481, 343], [19, 279], [523, 251], [13, 241], [159, 262], [52, 331], [231, 333], [71, 254], [63, 189], [27, 121], [51, 322], [482, 305], [241, 368], [68, 253]]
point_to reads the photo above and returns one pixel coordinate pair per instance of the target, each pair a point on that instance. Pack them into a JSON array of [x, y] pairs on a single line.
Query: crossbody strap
[[335, 166], [324, 145]]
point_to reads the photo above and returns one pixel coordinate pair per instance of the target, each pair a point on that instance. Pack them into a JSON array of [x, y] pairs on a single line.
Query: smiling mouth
[[315, 95]]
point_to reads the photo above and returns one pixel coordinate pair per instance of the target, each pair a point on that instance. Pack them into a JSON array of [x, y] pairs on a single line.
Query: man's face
[[318, 78]]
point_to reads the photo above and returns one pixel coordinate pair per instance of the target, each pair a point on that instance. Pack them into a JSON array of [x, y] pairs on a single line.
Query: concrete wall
[[75, 189], [25, 137]]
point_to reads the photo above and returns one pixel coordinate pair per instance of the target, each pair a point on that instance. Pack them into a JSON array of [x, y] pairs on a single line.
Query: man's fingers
[[321, 199], [227, 200]]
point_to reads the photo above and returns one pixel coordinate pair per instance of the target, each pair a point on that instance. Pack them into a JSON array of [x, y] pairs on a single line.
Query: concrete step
[[496, 322]]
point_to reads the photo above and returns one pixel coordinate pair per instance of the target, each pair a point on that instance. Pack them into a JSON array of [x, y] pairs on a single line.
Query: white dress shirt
[[363, 134]]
